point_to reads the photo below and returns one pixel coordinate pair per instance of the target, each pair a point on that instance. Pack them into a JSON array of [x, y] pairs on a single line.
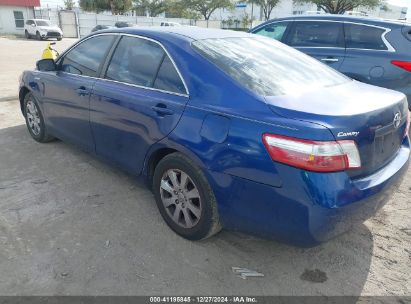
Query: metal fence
[[87, 21], [79, 24]]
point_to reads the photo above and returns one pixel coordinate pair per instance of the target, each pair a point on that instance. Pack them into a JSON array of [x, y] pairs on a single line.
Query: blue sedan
[[230, 130]]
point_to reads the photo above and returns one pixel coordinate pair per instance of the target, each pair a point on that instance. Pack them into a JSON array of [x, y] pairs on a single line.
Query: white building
[[14, 13]]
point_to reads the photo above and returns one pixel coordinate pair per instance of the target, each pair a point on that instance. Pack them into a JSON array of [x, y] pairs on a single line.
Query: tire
[[191, 211], [59, 39], [38, 37], [26, 34], [34, 120]]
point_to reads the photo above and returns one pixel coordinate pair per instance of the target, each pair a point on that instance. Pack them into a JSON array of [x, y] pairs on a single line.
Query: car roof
[[184, 32], [344, 18]]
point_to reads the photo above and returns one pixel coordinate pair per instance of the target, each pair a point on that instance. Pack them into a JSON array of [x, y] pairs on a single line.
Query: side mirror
[[46, 65]]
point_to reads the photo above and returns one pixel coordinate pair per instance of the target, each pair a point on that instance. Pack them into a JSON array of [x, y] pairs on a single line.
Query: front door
[[66, 99]]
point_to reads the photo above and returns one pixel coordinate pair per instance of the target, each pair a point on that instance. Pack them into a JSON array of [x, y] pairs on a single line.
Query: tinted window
[[268, 67], [85, 58], [316, 34], [42, 23], [275, 30], [364, 37], [18, 18], [135, 61], [168, 78]]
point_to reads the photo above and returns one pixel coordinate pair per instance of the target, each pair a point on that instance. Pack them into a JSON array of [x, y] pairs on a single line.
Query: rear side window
[[274, 30], [364, 37], [168, 78], [316, 34], [86, 58], [135, 61]]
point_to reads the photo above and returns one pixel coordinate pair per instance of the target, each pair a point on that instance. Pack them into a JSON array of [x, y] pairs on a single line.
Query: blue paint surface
[[220, 124]]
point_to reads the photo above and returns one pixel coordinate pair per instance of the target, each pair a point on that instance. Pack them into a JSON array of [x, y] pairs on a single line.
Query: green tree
[[267, 6], [120, 6], [115, 6], [69, 4], [341, 6], [152, 7], [87, 5], [206, 7], [177, 9]]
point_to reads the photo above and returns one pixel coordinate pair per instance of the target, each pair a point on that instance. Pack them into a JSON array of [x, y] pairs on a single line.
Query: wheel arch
[[160, 150], [22, 94]]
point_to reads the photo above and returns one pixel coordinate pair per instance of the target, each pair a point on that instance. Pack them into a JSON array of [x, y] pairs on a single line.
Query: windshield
[[42, 23], [268, 67]]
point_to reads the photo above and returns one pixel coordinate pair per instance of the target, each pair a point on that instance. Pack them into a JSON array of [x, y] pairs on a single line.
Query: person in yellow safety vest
[[49, 52]]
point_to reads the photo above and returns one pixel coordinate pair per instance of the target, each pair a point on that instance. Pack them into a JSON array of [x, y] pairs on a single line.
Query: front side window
[[316, 34], [268, 67], [364, 37], [18, 19], [143, 62], [274, 30], [86, 58]]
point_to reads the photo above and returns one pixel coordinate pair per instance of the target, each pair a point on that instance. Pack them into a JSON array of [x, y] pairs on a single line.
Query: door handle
[[162, 110], [82, 91], [329, 59]]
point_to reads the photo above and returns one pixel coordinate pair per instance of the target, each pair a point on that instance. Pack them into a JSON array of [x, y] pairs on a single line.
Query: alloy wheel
[[181, 198], [33, 117]]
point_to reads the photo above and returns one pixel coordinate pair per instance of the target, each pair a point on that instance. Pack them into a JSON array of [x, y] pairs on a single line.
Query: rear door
[[323, 40], [67, 90], [137, 103]]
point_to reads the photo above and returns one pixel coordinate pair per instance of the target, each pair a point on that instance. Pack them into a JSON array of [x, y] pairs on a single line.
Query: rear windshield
[[268, 67], [42, 23]]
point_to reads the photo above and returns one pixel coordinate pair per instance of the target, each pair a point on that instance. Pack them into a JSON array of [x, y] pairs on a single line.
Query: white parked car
[[42, 29]]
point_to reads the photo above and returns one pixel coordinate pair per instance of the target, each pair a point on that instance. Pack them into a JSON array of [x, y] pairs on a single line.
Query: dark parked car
[[229, 129], [370, 50], [121, 24], [101, 27]]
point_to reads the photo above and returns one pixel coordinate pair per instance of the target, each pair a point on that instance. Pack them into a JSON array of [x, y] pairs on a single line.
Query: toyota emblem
[[397, 120]]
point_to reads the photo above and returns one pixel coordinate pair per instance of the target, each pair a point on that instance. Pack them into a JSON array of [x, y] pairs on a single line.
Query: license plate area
[[386, 145]]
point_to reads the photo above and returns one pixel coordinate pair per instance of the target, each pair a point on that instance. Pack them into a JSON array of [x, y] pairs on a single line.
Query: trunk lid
[[375, 118]]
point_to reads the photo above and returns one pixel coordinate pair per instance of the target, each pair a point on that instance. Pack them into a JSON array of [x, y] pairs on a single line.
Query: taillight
[[407, 126], [319, 156], [406, 65]]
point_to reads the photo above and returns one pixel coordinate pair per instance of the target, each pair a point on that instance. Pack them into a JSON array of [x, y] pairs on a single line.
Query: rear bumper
[[52, 35], [309, 208]]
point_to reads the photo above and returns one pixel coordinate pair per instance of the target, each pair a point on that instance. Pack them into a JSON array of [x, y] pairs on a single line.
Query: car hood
[[352, 111]]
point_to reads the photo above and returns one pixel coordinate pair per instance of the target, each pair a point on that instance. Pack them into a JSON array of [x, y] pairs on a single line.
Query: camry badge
[[397, 120], [354, 133]]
